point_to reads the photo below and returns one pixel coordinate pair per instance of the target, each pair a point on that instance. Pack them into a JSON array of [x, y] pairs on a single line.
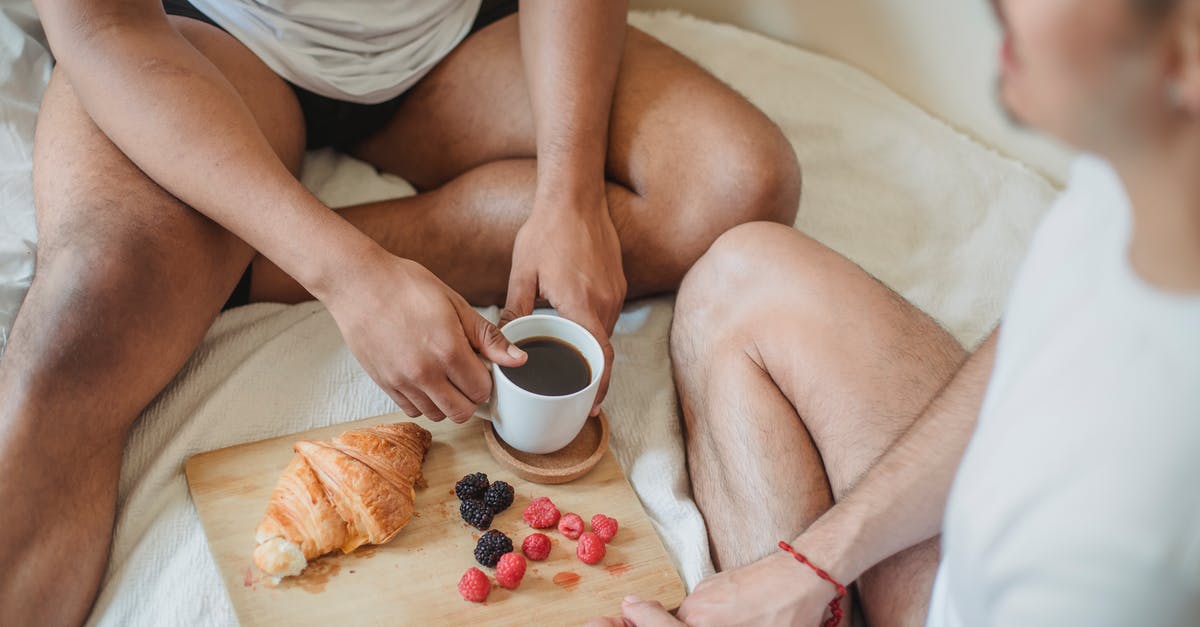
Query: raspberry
[[472, 486], [541, 513], [510, 570], [491, 546], [498, 497], [474, 585], [604, 527], [476, 514], [536, 546], [591, 548], [571, 525]]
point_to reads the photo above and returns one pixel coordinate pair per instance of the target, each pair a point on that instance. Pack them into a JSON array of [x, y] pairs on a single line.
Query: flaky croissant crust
[[356, 489]]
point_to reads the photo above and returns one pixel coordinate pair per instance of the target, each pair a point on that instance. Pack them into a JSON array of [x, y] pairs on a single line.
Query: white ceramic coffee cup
[[535, 423]]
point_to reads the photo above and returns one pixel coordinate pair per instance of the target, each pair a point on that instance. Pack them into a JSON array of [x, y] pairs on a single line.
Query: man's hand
[[568, 253], [568, 249], [776, 590], [638, 613], [417, 338]]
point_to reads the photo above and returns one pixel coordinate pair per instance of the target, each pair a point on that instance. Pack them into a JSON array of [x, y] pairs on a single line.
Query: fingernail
[[517, 353], [633, 598]]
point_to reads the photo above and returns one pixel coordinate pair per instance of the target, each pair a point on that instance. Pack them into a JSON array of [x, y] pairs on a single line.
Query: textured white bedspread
[[931, 213]]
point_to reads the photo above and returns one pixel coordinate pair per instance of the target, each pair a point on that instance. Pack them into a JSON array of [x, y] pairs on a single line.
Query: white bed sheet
[[24, 69], [938, 217]]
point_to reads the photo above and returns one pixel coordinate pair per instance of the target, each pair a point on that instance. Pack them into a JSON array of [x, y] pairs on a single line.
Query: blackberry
[[476, 514], [491, 546], [498, 497], [472, 486]]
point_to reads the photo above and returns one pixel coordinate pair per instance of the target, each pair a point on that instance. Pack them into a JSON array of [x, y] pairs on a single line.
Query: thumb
[[646, 613], [522, 291], [486, 338]]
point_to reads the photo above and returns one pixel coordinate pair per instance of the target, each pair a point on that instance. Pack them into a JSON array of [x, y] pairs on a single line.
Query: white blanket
[[24, 69], [933, 214]]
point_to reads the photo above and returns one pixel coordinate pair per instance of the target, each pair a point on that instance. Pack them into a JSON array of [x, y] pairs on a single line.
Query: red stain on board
[[566, 580], [248, 577], [618, 569]]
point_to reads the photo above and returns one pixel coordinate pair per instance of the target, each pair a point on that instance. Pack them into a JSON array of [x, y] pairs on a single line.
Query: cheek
[[1066, 54]]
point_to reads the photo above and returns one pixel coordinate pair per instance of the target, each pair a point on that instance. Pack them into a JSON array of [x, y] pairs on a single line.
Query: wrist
[[344, 257], [579, 200], [568, 186], [833, 543]]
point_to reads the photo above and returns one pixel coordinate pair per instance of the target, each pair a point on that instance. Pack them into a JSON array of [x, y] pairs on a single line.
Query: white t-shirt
[[364, 51], [1078, 500]]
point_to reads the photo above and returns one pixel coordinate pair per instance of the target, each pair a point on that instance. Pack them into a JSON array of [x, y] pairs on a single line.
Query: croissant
[[355, 490]]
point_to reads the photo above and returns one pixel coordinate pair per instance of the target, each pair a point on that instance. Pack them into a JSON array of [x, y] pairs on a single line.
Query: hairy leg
[[796, 370], [688, 159], [128, 281]]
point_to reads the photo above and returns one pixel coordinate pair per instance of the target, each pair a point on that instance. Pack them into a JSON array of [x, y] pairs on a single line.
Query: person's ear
[[1183, 91]]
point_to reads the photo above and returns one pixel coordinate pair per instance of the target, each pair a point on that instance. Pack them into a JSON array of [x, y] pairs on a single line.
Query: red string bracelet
[[835, 606]]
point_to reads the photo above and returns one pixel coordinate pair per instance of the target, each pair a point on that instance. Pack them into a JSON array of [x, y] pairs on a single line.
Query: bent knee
[[749, 258], [746, 173], [769, 178], [731, 277], [751, 271], [753, 175]]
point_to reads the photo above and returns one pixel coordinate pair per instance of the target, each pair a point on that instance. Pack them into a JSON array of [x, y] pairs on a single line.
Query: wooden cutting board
[[413, 579]]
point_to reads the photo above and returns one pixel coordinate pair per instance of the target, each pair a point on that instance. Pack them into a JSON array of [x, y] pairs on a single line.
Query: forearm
[[175, 115], [901, 500], [572, 50]]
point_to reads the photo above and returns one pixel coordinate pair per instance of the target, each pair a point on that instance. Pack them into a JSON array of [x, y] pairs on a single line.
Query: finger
[[486, 338], [450, 401], [428, 408], [646, 613], [688, 610], [522, 290], [406, 405], [467, 373], [602, 391], [613, 314], [593, 325]]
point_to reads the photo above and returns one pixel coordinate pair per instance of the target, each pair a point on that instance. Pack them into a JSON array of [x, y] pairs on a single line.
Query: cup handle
[[484, 411]]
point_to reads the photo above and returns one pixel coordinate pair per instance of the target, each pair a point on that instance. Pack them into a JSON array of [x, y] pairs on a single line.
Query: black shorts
[[337, 123], [332, 122]]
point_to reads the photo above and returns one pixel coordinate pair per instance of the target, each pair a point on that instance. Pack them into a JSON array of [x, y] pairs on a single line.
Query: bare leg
[[688, 159], [128, 281], [796, 371]]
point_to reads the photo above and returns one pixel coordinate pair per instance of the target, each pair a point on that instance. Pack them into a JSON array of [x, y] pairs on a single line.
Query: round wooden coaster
[[561, 466]]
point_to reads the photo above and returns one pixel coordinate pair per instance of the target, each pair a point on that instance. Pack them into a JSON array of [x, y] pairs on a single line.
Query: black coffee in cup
[[554, 368]]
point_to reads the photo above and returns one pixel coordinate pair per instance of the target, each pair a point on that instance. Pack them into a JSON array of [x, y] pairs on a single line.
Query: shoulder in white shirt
[[1077, 501]]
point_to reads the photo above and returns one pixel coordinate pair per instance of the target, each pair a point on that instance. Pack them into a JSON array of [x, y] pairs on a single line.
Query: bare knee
[[759, 285], [103, 301], [738, 175], [719, 306], [763, 181], [72, 280], [749, 174]]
